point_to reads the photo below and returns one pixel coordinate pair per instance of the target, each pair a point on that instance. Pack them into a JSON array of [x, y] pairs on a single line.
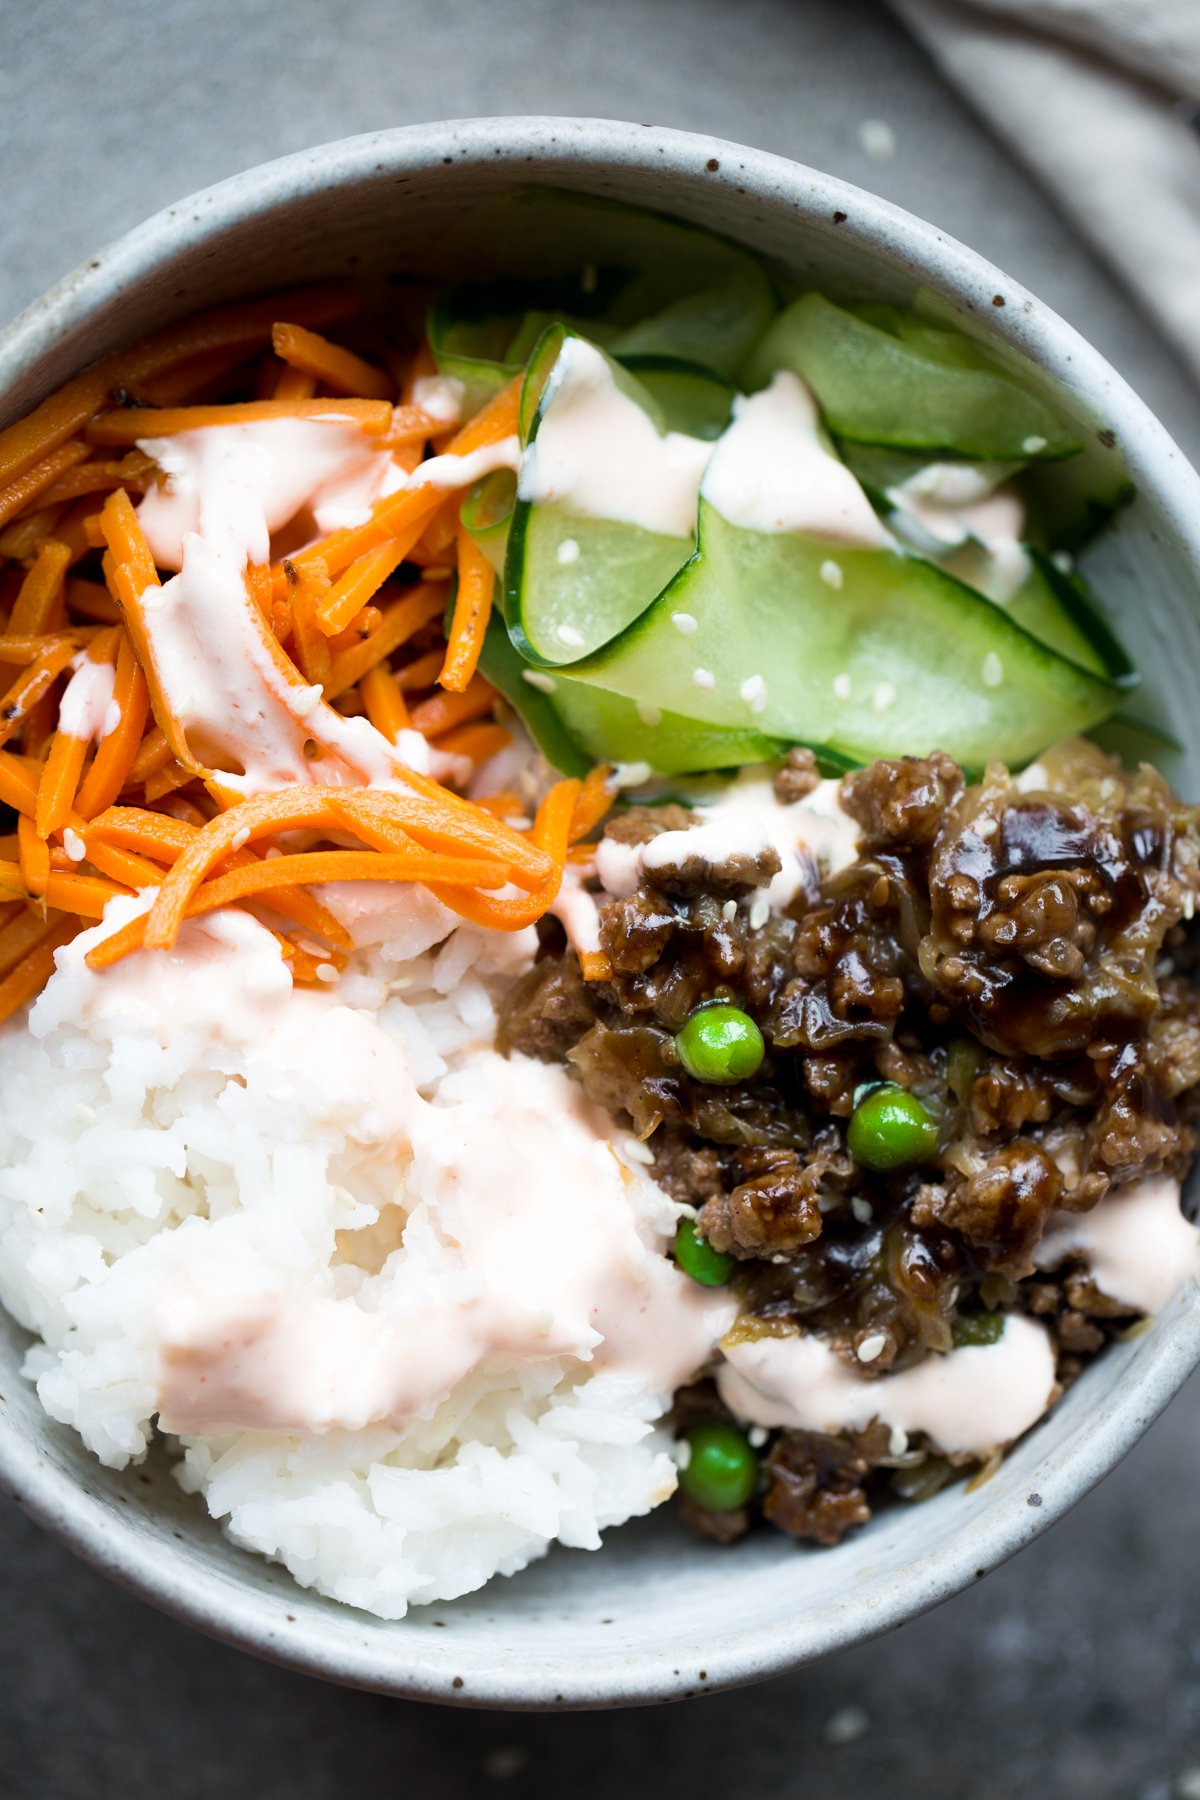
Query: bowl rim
[[549, 148]]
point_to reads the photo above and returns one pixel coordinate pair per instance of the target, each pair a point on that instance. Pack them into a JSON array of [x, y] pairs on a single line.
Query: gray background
[[1073, 1672]]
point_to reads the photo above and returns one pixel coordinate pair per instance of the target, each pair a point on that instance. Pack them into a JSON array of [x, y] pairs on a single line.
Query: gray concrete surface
[[1073, 1672]]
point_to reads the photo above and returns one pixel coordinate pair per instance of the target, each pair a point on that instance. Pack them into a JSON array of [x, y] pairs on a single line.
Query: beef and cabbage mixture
[[895, 1100]]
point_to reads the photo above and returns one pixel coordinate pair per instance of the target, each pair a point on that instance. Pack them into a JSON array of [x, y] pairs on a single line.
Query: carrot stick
[[294, 384], [82, 894], [40, 589], [21, 651], [97, 478], [20, 540], [318, 866], [328, 363], [35, 968], [116, 752], [154, 753], [383, 702], [551, 832], [401, 621], [308, 588], [60, 780], [18, 788], [33, 858], [20, 494], [421, 672], [22, 932], [130, 571], [92, 600], [365, 576], [472, 610], [479, 742], [129, 424], [442, 712], [65, 412], [31, 685], [595, 799]]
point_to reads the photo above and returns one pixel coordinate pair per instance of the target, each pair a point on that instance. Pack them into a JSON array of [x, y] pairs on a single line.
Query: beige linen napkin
[[1101, 98]]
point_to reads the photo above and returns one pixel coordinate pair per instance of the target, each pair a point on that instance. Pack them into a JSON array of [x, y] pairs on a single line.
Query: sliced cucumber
[[899, 659], [572, 582], [487, 514], [911, 386], [574, 725], [1058, 610], [689, 398]]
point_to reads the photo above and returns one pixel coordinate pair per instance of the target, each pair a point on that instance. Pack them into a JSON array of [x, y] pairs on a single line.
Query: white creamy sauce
[[969, 1400], [441, 396], [959, 508], [577, 912], [810, 834], [87, 709], [1139, 1247], [461, 471], [271, 470], [598, 454], [772, 471]]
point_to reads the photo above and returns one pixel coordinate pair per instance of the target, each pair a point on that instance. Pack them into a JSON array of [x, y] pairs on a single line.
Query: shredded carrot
[[421, 672], [79, 528], [187, 381], [92, 600], [154, 753], [442, 712], [551, 833], [594, 965], [401, 621], [307, 588], [35, 968], [367, 574], [363, 625], [19, 541], [21, 494], [117, 751], [293, 384], [595, 799], [478, 742], [65, 412], [98, 478], [328, 363], [383, 702], [33, 859], [472, 610], [40, 589], [82, 894], [25, 927], [31, 685], [24, 650], [60, 780], [412, 424], [127, 424]]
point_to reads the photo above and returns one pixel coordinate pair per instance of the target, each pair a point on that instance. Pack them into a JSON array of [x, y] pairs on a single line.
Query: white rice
[[142, 1137]]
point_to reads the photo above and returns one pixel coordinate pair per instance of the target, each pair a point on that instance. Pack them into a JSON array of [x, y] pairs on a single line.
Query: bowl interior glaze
[[657, 1615]]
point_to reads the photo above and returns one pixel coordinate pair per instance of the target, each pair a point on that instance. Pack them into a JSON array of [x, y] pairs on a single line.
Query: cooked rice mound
[[188, 1147]]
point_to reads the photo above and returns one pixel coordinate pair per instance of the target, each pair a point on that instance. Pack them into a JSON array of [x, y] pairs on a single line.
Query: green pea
[[970, 1329], [720, 1044], [698, 1258], [722, 1471], [890, 1129]]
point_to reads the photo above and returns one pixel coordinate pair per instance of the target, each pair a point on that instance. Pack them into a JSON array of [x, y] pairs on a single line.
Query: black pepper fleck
[[1107, 438], [1033, 1500], [457, 1682], [997, 299], [839, 218], [712, 165]]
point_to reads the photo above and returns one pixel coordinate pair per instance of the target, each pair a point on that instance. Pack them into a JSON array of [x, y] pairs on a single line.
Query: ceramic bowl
[[655, 1615]]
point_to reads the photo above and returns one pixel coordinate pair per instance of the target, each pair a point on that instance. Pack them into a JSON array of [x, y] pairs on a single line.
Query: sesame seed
[[862, 1209], [567, 552], [649, 715], [630, 774], [567, 634], [831, 573], [635, 1151], [684, 624], [305, 698], [898, 1441], [682, 1453], [842, 686], [993, 670], [760, 912], [883, 696], [729, 911], [704, 678], [877, 139], [545, 684], [1034, 445], [325, 972], [871, 1347], [754, 692], [756, 1437], [239, 838]]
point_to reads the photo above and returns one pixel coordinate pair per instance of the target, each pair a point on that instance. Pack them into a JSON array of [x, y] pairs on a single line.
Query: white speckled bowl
[[656, 1615]]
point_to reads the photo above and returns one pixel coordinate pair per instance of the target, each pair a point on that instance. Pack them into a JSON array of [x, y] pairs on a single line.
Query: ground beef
[[1019, 956]]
